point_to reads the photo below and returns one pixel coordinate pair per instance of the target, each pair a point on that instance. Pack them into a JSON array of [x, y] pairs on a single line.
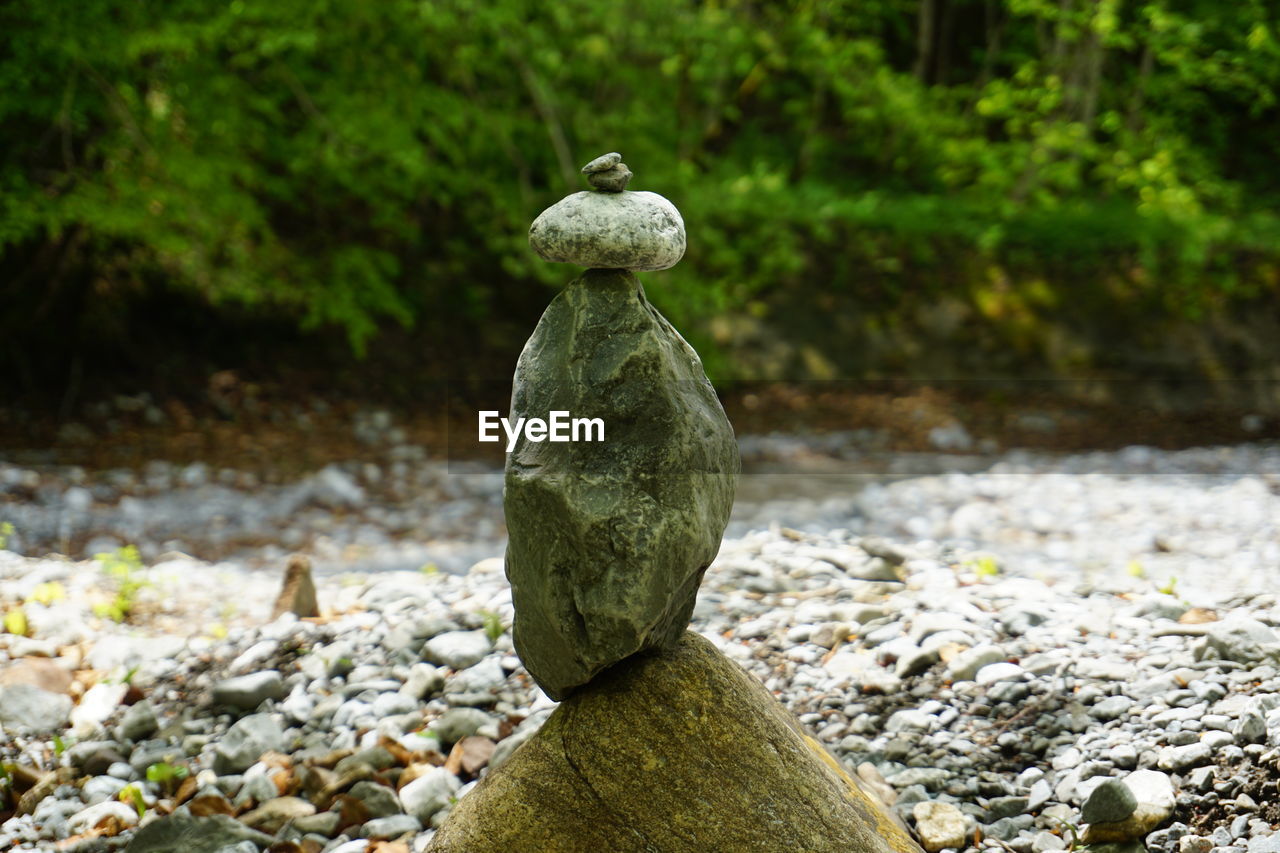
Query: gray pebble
[[603, 163]]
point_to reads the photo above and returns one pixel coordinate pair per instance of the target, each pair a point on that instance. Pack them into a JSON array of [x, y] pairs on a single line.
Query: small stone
[[1181, 758], [1156, 800], [429, 793], [100, 788], [915, 662], [603, 163], [1125, 757], [24, 707], [256, 790], [247, 692], [378, 800], [830, 634], [457, 723], [88, 818], [390, 827], [966, 664], [1067, 759], [908, 720], [321, 823], [1194, 844], [1241, 639], [334, 488], [1111, 801], [993, 672], [476, 685], [1111, 708], [1251, 727], [1265, 843], [245, 742], [1217, 740], [392, 704], [1045, 841], [1041, 792], [931, 777], [457, 649], [298, 592], [138, 722], [424, 681], [940, 825], [275, 813], [97, 703], [998, 807], [1008, 828], [472, 754], [194, 835], [374, 758], [36, 671], [1201, 779], [613, 180]]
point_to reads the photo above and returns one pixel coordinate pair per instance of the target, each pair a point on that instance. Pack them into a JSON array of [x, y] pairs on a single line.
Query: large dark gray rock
[[609, 540], [680, 751]]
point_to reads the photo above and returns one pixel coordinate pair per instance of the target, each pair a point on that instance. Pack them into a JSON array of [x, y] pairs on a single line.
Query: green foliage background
[[359, 164]]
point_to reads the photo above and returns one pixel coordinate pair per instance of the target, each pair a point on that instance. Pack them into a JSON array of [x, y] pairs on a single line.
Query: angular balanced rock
[[609, 539], [678, 750]]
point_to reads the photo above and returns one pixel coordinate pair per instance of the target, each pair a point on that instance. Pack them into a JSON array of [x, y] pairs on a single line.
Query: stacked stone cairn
[[660, 743]]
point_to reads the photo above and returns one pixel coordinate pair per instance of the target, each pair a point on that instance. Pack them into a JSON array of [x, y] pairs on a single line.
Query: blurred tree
[[354, 163]]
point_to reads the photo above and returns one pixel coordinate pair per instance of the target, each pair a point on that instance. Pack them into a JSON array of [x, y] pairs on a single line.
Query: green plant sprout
[[132, 795], [15, 621], [493, 627], [123, 566], [1136, 569], [6, 530], [167, 775], [47, 593], [984, 566], [1074, 843], [1169, 586]]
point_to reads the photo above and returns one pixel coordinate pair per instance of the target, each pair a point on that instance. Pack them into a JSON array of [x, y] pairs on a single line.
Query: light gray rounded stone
[[249, 691], [245, 742], [391, 827], [457, 649], [24, 707], [608, 230], [429, 793]]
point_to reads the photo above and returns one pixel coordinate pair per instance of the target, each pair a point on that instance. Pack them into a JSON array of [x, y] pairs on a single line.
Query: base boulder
[[674, 750]]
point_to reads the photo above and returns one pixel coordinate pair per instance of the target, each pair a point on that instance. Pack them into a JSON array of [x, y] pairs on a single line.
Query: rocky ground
[[989, 642]]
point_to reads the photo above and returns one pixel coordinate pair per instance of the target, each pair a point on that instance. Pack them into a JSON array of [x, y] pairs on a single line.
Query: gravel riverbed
[[987, 642]]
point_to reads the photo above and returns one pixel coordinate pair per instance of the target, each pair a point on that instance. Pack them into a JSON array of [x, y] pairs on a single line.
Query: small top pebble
[[611, 228], [607, 172], [603, 163], [613, 180]]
